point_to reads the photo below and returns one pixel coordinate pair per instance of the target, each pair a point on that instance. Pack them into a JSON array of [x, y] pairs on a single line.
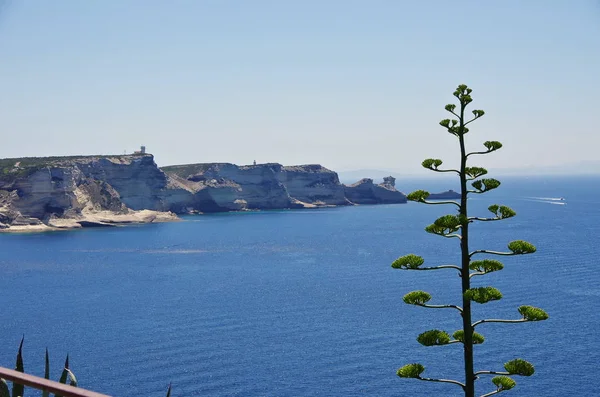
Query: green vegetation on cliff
[[12, 169]]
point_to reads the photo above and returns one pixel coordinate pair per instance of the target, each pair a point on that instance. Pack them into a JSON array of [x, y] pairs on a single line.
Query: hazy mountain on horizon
[[580, 168]]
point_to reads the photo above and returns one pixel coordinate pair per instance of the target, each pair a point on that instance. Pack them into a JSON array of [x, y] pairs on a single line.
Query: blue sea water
[[305, 303]]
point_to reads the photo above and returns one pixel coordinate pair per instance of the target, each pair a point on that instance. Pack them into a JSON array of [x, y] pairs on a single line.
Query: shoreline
[[107, 219], [92, 220]]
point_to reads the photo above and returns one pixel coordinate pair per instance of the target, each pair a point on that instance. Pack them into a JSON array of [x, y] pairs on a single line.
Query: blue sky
[[348, 84]]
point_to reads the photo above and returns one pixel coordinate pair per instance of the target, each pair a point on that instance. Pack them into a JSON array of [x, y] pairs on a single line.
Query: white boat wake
[[548, 200]]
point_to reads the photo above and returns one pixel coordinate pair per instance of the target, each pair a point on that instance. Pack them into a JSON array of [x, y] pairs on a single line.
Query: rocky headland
[[72, 192], [366, 191], [55, 193], [447, 195]]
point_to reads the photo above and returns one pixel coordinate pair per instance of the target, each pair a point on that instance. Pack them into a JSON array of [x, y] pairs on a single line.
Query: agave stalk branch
[[449, 170], [494, 320], [476, 218], [443, 381], [458, 236], [452, 111], [470, 121], [436, 268], [477, 191], [491, 373], [476, 274], [440, 202], [472, 153], [440, 306], [491, 253]]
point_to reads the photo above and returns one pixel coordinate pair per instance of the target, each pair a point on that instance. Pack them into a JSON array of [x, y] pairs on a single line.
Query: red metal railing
[[45, 384]]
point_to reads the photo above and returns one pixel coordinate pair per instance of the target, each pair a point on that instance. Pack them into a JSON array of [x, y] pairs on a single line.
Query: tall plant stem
[[466, 282]]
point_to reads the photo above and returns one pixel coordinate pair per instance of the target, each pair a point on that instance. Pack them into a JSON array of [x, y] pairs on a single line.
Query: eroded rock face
[[366, 192], [313, 184], [72, 192], [227, 187], [198, 194], [259, 186], [46, 191], [137, 179], [220, 187]]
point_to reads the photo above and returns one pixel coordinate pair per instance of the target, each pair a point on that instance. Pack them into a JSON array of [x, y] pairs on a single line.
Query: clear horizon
[[349, 85]]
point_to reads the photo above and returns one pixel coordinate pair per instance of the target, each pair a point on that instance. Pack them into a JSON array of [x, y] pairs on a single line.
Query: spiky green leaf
[[483, 294], [486, 265], [410, 261], [520, 247], [47, 366], [46, 393], [418, 195], [64, 376], [503, 382], [434, 337], [19, 364], [416, 298], [4, 391], [72, 378], [169, 391], [18, 390], [531, 313], [411, 371], [519, 367]]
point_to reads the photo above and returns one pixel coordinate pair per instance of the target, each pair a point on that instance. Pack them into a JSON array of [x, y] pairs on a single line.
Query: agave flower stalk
[[456, 226]]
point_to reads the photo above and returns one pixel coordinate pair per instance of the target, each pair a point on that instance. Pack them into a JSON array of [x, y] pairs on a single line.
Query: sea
[[305, 302]]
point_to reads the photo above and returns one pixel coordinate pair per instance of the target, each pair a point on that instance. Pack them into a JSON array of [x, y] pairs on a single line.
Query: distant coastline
[[67, 192], [447, 195], [584, 169]]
